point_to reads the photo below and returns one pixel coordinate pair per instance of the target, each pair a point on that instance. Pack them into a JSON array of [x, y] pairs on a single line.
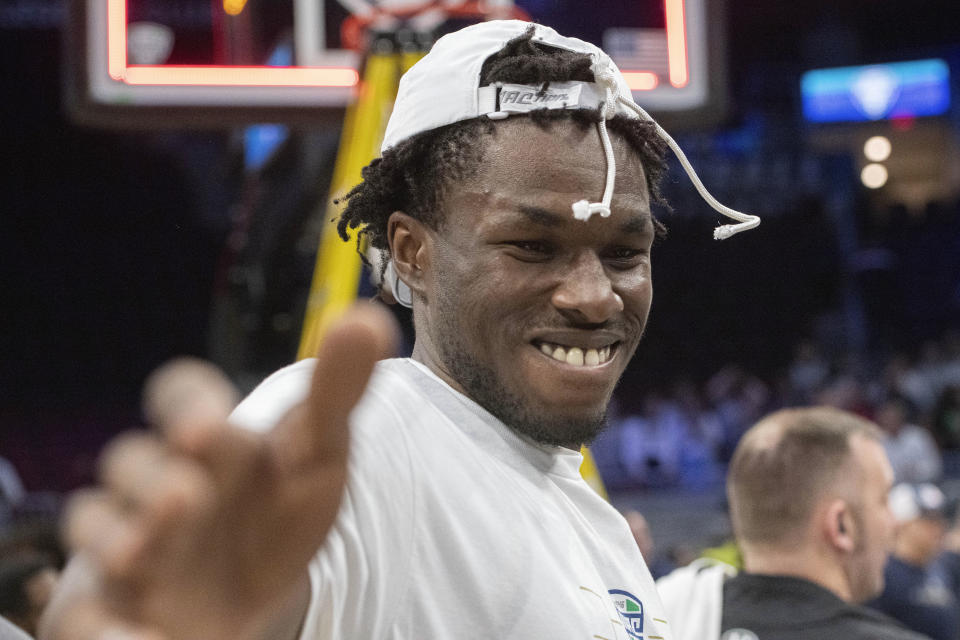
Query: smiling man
[[529, 312], [521, 302], [519, 230]]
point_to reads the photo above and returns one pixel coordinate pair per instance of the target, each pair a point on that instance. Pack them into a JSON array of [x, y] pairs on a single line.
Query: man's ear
[[409, 249], [839, 526]]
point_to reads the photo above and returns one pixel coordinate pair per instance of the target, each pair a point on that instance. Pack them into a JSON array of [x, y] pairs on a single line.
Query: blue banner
[[876, 92]]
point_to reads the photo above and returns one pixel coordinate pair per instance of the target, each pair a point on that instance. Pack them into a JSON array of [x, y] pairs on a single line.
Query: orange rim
[[353, 31]]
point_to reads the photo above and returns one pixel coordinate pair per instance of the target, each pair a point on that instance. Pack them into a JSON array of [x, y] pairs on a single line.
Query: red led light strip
[[641, 80], [263, 76], [676, 42], [210, 75]]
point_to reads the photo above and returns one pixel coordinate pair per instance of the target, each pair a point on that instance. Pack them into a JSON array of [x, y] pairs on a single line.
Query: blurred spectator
[[17, 504], [933, 367], [946, 418], [808, 501], [913, 383], [31, 557], [920, 592], [680, 555], [951, 342], [739, 398], [651, 442], [658, 564], [12, 492], [808, 372], [26, 584], [702, 440], [845, 392], [32, 536], [911, 448]]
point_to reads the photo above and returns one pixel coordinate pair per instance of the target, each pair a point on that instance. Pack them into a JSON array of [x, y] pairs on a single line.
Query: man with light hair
[[808, 502]]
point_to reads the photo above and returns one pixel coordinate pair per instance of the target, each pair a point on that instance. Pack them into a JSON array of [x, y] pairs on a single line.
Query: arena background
[[123, 248]]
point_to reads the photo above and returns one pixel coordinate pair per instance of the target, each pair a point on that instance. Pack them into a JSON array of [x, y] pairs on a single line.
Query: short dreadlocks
[[413, 175]]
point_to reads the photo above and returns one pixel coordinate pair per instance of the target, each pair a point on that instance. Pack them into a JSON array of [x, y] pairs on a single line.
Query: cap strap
[[722, 232], [607, 79]]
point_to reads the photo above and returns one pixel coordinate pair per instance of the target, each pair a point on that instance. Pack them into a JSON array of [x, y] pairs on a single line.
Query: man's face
[[875, 526], [530, 312], [923, 537]]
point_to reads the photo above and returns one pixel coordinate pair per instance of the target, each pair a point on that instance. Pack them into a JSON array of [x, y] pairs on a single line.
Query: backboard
[[662, 46], [208, 62]]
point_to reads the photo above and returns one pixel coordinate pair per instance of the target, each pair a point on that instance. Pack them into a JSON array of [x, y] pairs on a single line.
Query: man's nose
[[586, 293]]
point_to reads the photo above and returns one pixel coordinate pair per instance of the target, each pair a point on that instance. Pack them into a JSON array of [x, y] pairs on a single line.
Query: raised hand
[[205, 531]]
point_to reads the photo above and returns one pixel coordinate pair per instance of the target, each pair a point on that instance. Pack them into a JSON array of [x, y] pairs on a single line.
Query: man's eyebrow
[[640, 223], [542, 217]]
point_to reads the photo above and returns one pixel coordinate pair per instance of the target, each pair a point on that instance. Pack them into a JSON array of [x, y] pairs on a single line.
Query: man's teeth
[[575, 355]]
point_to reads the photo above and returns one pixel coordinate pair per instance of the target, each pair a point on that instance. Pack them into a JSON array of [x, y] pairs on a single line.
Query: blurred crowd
[[683, 436]]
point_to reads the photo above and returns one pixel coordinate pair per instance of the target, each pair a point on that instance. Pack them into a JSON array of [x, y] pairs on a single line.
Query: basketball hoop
[[421, 17]]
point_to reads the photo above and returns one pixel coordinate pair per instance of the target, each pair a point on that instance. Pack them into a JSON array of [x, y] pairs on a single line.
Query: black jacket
[[787, 608]]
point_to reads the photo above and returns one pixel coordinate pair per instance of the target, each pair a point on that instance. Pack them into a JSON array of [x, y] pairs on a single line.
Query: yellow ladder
[[336, 276]]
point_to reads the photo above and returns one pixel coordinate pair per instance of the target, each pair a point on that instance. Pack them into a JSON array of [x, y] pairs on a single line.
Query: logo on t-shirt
[[631, 612], [738, 634]]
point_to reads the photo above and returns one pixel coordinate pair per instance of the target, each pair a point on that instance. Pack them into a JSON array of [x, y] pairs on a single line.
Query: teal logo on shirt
[[630, 609]]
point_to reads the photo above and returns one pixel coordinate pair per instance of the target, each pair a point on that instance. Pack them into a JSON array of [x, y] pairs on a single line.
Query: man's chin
[[552, 414], [559, 417], [560, 430]]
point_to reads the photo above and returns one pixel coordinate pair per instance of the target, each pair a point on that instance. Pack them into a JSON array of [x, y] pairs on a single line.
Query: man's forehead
[[529, 136], [536, 174], [485, 210], [635, 220]]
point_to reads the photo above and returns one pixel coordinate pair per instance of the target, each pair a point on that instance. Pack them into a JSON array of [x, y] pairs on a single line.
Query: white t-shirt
[[453, 526]]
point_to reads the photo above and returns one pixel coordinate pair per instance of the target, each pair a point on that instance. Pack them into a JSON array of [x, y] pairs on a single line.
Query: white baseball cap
[[444, 88]]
